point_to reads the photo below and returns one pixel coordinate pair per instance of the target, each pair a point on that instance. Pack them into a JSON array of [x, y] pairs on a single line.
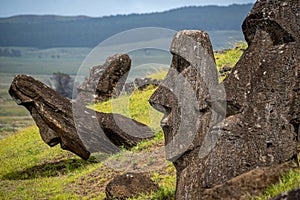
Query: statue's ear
[[277, 33], [277, 18]]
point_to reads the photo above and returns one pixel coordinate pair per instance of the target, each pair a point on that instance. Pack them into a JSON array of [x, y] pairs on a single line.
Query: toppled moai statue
[[105, 81], [77, 128], [216, 132]]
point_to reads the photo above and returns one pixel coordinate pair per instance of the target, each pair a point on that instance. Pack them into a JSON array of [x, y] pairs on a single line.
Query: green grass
[[289, 181], [135, 106], [166, 183], [29, 169], [13, 110], [23, 153], [26, 160], [12, 116], [229, 58], [53, 173]]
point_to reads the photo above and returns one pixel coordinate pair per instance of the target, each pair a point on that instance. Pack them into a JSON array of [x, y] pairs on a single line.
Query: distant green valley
[[52, 31]]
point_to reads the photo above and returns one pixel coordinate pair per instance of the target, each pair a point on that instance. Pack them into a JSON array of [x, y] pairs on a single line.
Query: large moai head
[[217, 131]]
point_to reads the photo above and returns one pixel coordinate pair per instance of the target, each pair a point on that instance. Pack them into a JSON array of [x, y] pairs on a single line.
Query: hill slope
[[81, 31], [32, 170]]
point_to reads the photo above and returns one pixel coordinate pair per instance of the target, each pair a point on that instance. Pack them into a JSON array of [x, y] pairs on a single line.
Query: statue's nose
[[162, 99]]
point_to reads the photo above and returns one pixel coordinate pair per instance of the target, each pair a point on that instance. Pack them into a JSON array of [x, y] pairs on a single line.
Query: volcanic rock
[[129, 185], [214, 131]]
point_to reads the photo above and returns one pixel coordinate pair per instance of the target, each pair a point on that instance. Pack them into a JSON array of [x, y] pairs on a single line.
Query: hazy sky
[[98, 8]]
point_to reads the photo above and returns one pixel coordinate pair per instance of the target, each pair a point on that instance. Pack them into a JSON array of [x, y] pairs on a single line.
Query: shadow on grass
[[51, 169]]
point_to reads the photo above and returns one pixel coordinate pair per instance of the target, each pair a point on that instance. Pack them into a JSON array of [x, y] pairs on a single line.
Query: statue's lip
[[164, 122]]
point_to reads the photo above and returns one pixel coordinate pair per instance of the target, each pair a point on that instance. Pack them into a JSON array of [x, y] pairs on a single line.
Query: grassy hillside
[[135, 106], [12, 116], [57, 174], [29, 169]]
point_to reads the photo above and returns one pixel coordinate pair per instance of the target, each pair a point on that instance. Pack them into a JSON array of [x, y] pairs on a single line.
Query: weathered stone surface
[[129, 88], [129, 185], [77, 128], [215, 132], [140, 84], [51, 112], [123, 131], [290, 195], [105, 80], [252, 182]]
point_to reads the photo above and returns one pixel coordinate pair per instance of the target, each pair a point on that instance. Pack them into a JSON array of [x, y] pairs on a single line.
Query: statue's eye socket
[[161, 108], [180, 63], [167, 110]]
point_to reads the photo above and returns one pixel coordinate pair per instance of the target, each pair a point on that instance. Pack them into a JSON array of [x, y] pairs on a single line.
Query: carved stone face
[[54, 121], [262, 104], [186, 93]]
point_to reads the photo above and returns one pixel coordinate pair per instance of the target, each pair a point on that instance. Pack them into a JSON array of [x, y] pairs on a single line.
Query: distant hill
[[51, 31]]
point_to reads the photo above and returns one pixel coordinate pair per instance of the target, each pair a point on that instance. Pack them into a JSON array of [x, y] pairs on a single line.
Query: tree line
[[56, 31]]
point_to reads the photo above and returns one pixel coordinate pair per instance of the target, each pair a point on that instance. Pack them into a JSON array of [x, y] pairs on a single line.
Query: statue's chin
[[54, 142]]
